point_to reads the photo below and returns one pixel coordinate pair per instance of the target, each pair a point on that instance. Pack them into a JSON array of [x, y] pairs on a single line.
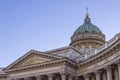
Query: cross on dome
[[87, 15]]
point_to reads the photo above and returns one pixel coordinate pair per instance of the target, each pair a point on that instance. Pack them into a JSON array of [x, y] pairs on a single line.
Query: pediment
[[32, 58]]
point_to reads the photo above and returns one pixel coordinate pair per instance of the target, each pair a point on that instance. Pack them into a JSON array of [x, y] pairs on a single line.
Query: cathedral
[[88, 57]]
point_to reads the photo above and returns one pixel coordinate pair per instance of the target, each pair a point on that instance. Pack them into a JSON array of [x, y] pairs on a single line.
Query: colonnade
[[55, 76], [111, 72]]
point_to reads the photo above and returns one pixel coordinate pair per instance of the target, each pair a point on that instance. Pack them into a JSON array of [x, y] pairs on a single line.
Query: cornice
[[66, 62], [30, 54], [89, 40]]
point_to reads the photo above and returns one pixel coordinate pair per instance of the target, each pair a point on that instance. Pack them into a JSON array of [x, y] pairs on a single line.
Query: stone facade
[[69, 63], [3, 75]]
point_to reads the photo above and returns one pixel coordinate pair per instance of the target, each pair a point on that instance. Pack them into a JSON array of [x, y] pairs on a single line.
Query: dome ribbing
[[87, 37], [88, 27]]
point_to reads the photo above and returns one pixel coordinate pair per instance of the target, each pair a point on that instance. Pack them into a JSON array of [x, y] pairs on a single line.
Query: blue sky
[[48, 24]]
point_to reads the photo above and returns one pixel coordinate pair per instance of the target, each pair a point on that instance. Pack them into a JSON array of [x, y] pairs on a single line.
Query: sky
[[44, 25]]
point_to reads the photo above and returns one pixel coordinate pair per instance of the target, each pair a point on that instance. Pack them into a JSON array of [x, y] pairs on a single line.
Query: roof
[[87, 27], [61, 49]]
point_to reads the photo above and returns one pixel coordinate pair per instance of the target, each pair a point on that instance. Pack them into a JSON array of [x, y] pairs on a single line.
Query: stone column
[[98, 76], [70, 77], [50, 77], [116, 73], [109, 73], [8, 78], [63, 76], [86, 77], [76, 78], [119, 70], [38, 77]]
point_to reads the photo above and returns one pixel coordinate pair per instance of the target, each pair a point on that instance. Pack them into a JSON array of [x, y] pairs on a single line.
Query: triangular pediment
[[32, 58]]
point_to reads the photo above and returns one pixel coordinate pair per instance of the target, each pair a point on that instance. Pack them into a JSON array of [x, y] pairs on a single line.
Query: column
[[119, 70], [76, 78], [50, 77], [38, 77], [116, 73], [63, 76], [86, 76], [104, 75], [98, 76], [70, 77], [109, 73], [8, 78]]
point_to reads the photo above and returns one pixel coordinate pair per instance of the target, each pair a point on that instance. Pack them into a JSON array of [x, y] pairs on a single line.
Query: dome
[[87, 37], [88, 30], [88, 27]]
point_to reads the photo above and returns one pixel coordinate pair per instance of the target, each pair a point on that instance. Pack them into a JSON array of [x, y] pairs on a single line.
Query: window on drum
[[86, 49]]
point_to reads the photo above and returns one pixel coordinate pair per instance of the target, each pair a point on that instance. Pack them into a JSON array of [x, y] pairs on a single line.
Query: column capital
[[49, 75], [38, 76], [118, 62], [63, 73], [109, 67], [97, 71], [71, 75], [86, 75], [26, 78]]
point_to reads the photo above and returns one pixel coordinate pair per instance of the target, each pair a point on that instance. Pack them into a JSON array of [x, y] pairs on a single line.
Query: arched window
[[86, 49]]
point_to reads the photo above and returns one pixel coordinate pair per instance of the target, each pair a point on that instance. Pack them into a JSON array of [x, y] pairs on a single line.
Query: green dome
[[88, 27], [87, 36]]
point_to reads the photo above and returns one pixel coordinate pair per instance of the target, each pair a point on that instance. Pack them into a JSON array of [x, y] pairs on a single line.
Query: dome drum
[[85, 42], [85, 35], [88, 40]]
